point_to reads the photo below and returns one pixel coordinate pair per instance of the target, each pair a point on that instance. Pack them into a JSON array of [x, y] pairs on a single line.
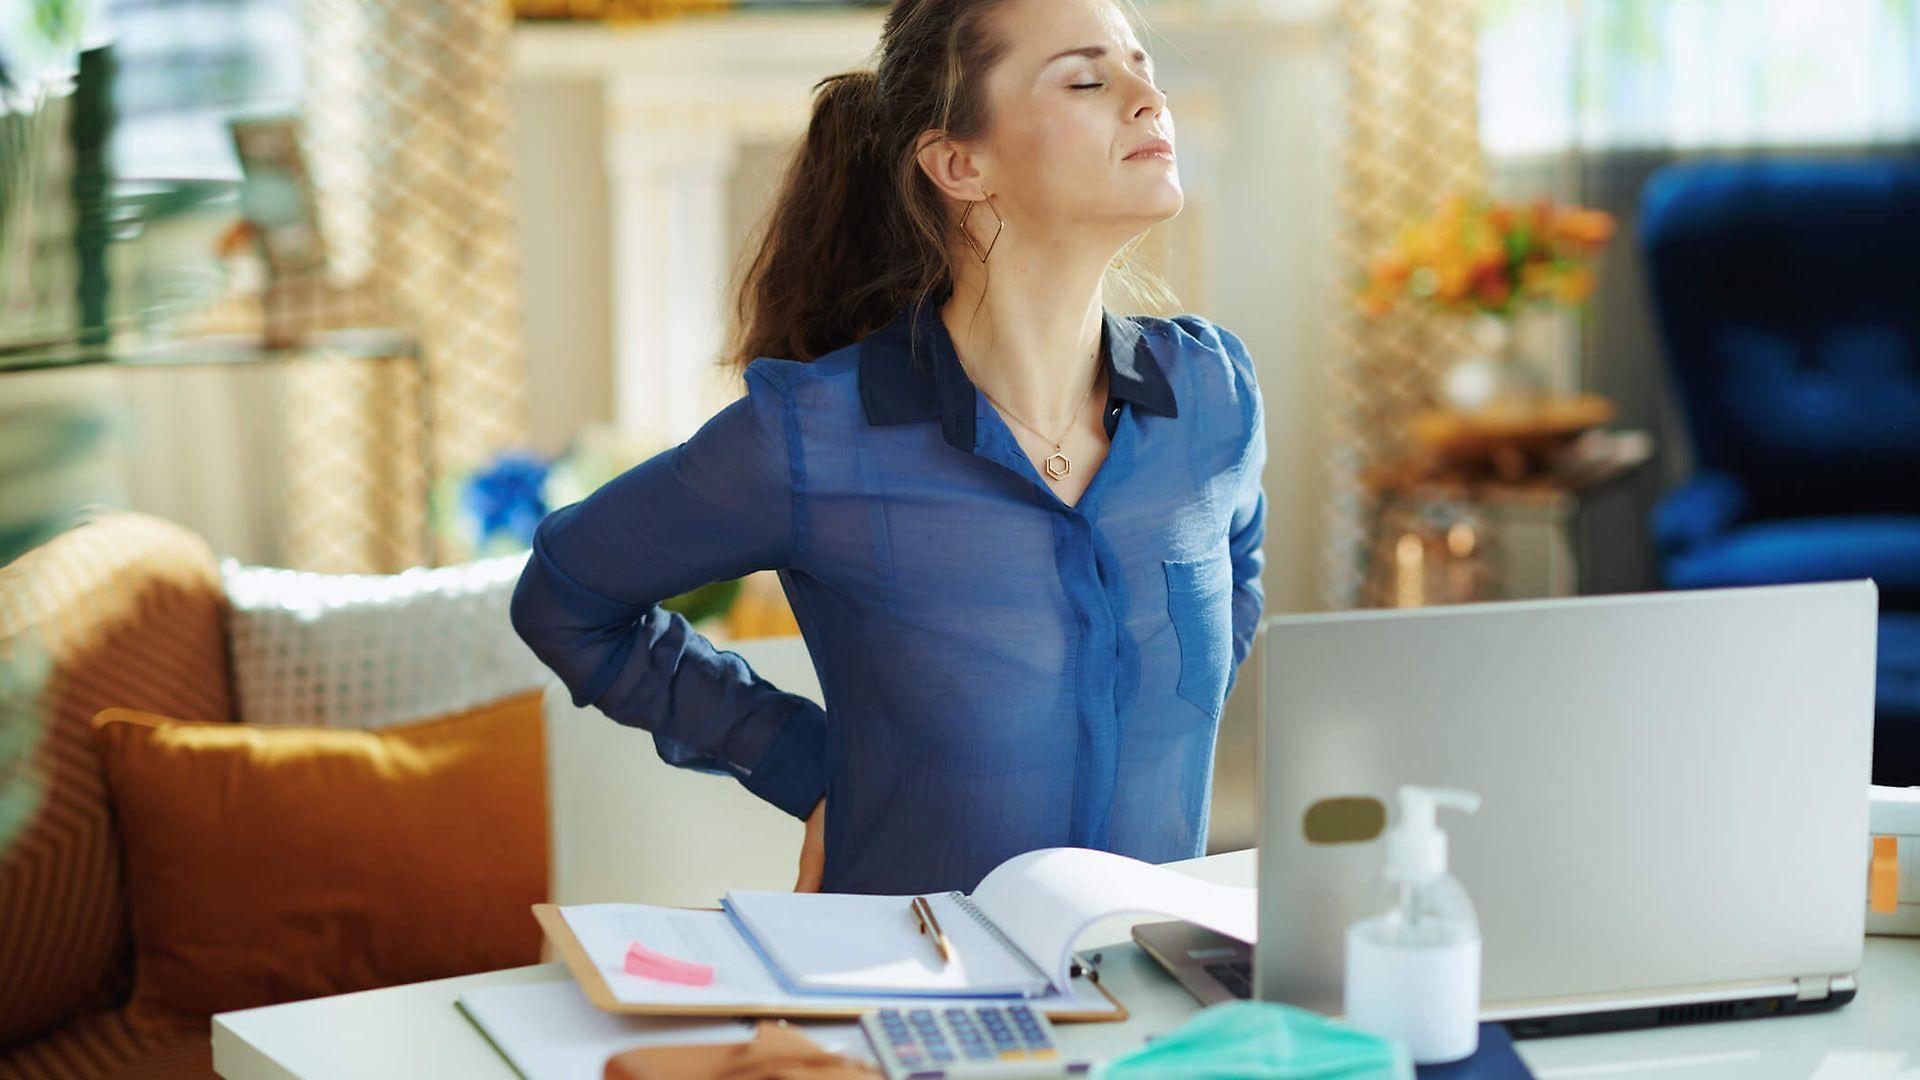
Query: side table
[[1439, 535]]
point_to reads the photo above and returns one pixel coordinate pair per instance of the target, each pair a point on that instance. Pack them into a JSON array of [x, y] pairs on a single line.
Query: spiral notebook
[[834, 943]]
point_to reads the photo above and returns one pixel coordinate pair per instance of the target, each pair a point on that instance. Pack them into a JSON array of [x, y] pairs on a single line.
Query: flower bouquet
[[1490, 260]]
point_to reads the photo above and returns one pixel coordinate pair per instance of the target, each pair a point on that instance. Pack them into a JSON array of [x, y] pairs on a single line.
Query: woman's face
[[1071, 102]]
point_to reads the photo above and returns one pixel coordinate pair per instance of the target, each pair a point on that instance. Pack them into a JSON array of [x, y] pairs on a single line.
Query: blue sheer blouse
[[1002, 671]]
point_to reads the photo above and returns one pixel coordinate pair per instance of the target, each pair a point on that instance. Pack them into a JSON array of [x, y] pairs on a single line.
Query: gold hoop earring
[[999, 224]]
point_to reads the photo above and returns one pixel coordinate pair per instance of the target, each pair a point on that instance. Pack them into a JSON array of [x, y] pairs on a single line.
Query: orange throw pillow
[[270, 864]]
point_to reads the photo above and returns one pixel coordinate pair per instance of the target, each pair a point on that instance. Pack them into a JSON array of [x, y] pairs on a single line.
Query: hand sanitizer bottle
[[1413, 973]]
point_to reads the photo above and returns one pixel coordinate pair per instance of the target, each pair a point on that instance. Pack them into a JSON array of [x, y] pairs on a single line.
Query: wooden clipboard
[[600, 994]]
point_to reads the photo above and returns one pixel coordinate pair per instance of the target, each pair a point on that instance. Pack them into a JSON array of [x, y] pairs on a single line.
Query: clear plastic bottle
[[1413, 972]]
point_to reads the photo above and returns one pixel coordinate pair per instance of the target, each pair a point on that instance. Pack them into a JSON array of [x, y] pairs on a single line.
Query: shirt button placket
[[1098, 744]]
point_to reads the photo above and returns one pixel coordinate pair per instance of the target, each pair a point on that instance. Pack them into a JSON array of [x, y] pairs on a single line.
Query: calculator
[[966, 1042]]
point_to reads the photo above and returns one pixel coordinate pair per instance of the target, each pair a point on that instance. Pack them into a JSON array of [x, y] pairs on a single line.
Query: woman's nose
[[1152, 100]]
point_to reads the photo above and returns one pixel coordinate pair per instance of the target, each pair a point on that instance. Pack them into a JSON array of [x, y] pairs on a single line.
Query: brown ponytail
[[856, 231]]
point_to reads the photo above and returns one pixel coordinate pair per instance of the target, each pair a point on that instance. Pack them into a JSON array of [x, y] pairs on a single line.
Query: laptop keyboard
[[1235, 975]]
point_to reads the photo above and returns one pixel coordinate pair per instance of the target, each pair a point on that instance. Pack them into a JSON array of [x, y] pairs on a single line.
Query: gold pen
[[923, 914]]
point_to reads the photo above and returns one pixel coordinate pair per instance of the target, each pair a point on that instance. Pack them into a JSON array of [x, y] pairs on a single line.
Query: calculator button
[[1047, 1053], [1013, 1055]]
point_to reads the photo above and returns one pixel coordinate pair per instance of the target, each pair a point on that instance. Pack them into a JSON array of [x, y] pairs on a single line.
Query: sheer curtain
[[1408, 132], [1583, 99]]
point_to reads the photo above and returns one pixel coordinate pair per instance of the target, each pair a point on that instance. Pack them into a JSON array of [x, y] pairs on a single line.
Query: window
[[184, 68], [1618, 74]]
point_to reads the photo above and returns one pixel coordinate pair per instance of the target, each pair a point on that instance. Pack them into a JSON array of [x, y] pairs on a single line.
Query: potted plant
[[1490, 260]]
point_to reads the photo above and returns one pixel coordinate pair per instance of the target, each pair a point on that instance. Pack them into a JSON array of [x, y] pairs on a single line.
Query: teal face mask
[[1261, 1040]]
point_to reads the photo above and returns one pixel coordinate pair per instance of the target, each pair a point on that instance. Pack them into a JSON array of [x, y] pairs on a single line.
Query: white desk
[[415, 1032]]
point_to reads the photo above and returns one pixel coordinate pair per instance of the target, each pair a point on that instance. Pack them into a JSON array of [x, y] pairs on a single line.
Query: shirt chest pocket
[[1200, 603]]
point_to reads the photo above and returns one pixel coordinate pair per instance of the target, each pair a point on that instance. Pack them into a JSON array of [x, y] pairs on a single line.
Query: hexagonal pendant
[[1057, 466]]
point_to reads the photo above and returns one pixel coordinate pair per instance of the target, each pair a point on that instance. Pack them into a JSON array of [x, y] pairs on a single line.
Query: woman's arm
[[1247, 530], [1245, 537], [717, 506]]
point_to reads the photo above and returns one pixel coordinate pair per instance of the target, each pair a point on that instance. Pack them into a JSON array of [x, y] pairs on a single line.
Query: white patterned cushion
[[369, 650]]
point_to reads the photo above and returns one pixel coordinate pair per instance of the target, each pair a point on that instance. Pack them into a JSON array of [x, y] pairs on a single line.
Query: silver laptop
[[1674, 795]]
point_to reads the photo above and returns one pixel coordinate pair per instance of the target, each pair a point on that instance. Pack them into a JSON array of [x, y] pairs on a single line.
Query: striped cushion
[[101, 1045], [121, 610]]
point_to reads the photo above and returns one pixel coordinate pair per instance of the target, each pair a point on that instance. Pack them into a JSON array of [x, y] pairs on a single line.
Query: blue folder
[[1495, 1060]]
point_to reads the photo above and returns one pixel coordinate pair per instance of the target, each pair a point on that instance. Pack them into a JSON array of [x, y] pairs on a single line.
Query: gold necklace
[[1056, 465]]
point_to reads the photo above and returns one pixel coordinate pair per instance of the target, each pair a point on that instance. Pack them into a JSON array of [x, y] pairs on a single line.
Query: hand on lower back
[[813, 850]]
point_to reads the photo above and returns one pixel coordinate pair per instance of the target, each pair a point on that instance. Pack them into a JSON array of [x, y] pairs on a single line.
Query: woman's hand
[[813, 850]]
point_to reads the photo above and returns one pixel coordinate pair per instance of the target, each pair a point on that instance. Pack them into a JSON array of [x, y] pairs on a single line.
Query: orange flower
[[1418, 241], [1490, 284], [1452, 277], [1390, 266], [1541, 217], [1374, 302], [1587, 228], [1482, 244], [1575, 285], [1536, 279]]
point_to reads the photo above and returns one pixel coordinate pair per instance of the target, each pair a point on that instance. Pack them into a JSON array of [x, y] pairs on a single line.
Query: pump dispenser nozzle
[[1416, 847]]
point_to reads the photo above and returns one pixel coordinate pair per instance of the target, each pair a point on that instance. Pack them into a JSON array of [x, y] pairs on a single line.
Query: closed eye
[[1086, 86]]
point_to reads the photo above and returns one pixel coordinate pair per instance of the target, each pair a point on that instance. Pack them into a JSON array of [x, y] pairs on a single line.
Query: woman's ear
[[955, 169]]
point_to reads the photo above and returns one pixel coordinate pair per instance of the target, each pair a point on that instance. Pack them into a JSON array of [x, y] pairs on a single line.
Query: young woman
[[1021, 534]]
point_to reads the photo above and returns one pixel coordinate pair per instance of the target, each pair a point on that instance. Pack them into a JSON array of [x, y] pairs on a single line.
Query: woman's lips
[[1157, 149]]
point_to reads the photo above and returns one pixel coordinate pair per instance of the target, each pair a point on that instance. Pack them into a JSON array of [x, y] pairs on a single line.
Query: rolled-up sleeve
[[723, 503]]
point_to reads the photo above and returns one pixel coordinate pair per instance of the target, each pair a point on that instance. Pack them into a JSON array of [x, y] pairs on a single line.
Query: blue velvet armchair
[[1788, 295]]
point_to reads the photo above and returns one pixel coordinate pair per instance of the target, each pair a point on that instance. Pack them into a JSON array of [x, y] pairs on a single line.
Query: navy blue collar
[[893, 390]]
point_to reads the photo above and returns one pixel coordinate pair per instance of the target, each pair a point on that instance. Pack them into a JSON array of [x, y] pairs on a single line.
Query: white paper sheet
[[550, 1031], [1043, 900]]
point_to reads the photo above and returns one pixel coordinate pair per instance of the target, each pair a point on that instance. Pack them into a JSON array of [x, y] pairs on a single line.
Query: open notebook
[[1012, 936], [834, 943]]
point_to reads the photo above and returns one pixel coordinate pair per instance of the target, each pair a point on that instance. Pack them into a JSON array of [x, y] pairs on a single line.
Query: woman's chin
[[1165, 202]]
